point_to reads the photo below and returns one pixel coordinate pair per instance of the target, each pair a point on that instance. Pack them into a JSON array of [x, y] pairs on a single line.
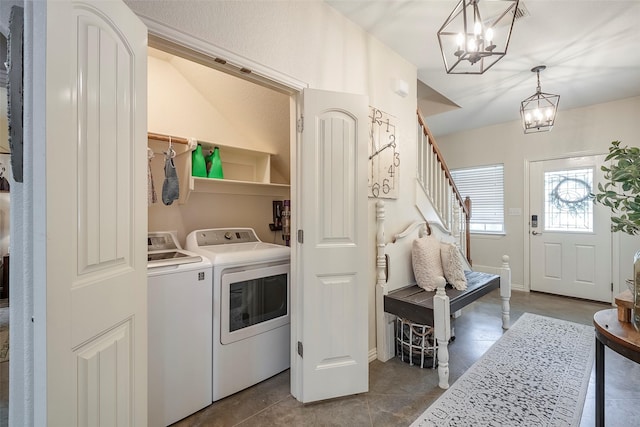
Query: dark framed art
[[15, 57]]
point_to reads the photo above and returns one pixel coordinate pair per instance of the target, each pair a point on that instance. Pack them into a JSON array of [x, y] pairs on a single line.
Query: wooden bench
[[397, 296], [435, 308], [416, 304]]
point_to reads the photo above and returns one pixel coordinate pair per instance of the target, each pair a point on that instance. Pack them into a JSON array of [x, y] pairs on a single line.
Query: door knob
[[535, 233]]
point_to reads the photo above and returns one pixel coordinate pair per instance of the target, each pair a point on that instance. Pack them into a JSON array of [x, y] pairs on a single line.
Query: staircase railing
[[435, 179]]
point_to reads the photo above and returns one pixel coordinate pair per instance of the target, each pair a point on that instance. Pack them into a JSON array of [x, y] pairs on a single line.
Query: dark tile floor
[[399, 393]]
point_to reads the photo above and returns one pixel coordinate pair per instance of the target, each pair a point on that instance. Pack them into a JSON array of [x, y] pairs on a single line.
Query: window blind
[[484, 185]]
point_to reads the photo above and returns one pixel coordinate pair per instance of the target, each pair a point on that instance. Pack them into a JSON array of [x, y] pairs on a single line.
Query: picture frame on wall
[[5, 172]]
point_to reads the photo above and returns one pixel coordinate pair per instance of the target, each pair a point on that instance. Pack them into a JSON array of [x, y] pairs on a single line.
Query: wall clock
[[384, 156]]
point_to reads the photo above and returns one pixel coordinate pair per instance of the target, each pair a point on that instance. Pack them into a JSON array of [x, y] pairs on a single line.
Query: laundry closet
[[219, 308]]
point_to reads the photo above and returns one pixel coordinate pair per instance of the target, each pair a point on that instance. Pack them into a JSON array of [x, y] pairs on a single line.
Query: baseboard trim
[[373, 354], [496, 270]]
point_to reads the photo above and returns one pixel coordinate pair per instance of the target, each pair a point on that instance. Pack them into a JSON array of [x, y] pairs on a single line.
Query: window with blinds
[[484, 185]]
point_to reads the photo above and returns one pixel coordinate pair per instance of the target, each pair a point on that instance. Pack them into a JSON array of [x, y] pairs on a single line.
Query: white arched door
[[89, 133], [330, 320]]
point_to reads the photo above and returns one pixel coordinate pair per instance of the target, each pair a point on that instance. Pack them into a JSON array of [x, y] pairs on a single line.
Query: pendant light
[[476, 35], [538, 112]]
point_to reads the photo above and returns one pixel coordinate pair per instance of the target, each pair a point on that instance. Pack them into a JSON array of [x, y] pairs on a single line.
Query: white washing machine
[[251, 306], [179, 338]]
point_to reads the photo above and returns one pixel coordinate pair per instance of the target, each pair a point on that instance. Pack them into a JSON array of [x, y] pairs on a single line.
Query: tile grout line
[[260, 411], [369, 412]]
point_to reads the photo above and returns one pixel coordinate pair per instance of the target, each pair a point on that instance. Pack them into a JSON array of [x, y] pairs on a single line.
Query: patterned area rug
[[536, 374]]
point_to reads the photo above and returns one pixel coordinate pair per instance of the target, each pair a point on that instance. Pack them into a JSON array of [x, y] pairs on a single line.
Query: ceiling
[[591, 49]]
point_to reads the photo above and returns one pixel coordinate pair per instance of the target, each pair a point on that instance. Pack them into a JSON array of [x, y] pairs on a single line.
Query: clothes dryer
[[251, 307]]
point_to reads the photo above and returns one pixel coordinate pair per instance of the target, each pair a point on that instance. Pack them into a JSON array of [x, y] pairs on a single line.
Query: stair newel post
[[505, 291], [384, 321], [442, 331], [467, 205]]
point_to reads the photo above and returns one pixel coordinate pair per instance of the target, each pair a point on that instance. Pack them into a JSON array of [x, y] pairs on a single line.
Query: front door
[[330, 334], [569, 235], [96, 215]]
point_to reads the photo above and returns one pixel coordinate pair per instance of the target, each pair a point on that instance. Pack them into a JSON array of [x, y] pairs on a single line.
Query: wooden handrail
[[443, 164]]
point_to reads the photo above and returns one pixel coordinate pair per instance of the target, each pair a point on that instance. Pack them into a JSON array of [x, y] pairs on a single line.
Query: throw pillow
[[452, 266], [427, 265]]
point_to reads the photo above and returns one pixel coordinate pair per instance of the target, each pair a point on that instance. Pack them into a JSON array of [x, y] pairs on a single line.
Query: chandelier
[[476, 35], [538, 111]]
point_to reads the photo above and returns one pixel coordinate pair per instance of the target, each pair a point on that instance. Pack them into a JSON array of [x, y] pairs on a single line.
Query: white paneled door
[[569, 235], [96, 352], [331, 324]]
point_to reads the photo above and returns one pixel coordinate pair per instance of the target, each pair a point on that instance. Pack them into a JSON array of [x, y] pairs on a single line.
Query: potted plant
[[621, 193]]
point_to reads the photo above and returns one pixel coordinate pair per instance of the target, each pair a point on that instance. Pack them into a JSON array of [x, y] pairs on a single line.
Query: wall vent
[[521, 11]]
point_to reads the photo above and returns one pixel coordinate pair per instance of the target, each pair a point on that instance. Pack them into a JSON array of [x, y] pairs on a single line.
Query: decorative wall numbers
[[384, 156]]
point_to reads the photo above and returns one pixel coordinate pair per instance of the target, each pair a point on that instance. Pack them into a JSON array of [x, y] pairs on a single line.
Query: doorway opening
[[217, 102]]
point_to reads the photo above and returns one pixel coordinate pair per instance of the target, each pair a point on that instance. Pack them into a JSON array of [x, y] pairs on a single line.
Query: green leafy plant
[[621, 192]]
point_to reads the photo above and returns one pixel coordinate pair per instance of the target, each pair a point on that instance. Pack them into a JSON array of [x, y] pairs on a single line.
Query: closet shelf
[[227, 186], [247, 172], [166, 138]]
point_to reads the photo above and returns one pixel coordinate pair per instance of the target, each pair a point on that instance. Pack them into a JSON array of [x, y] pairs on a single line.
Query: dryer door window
[[253, 301]]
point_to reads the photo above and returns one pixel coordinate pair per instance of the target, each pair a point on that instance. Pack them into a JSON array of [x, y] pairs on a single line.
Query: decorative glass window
[[484, 185], [568, 206]]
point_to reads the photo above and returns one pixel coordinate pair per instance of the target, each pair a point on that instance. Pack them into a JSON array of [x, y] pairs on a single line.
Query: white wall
[[176, 108], [312, 43], [587, 130], [28, 293]]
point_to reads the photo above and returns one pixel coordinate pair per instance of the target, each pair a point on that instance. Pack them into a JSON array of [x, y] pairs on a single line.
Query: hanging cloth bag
[[170, 187]]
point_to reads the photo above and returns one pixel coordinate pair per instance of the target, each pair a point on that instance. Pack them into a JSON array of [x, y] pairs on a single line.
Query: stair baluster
[[435, 179]]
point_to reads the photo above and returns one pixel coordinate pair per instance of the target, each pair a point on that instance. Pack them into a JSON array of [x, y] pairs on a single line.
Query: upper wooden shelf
[[246, 171]]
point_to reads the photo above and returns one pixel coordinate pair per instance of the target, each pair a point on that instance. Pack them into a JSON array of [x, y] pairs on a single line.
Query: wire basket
[[415, 343]]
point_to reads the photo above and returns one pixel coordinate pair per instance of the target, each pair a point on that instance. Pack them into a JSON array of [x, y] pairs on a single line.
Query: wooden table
[[620, 337]]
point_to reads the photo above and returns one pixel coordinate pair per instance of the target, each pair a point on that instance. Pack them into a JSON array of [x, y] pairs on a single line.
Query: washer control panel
[[225, 236], [161, 241]]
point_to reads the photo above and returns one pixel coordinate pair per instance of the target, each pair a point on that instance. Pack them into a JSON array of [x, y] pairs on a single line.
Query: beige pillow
[[452, 266], [425, 257]]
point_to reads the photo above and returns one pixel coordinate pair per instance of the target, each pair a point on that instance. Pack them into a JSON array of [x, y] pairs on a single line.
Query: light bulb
[[538, 114], [527, 118], [471, 45], [477, 28], [549, 113], [489, 35], [460, 41]]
